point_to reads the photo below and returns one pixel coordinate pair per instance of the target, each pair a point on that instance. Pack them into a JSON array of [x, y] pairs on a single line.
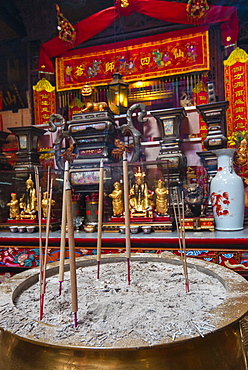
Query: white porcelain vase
[[227, 194]]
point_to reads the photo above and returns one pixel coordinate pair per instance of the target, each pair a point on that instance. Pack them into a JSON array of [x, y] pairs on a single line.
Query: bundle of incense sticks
[[67, 219], [63, 230], [44, 263], [180, 226], [73, 273]]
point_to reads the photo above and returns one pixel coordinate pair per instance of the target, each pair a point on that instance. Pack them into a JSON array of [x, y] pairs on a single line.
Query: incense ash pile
[[153, 309]]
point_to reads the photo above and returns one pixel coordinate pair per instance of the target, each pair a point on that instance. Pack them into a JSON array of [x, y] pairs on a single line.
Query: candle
[[127, 215], [100, 213]]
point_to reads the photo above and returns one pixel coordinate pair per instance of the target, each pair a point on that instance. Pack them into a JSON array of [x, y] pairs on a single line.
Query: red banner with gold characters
[[200, 96], [152, 57], [236, 91], [44, 101]]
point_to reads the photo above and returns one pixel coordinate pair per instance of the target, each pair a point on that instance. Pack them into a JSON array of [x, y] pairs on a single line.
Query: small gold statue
[[28, 202], [89, 104], [161, 198], [117, 199], [45, 203], [14, 211], [140, 197]]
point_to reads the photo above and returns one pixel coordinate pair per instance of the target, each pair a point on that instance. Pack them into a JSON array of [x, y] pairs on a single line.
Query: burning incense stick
[[181, 239], [100, 213], [38, 192], [127, 215], [63, 230], [49, 197], [73, 275]]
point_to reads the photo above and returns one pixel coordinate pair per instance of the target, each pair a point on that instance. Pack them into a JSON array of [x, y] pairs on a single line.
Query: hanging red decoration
[[197, 9], [67, 32], [225, 15]]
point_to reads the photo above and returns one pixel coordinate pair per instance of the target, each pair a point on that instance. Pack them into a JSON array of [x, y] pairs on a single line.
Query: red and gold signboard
[[44, 101], [236, 91], [147, 58]]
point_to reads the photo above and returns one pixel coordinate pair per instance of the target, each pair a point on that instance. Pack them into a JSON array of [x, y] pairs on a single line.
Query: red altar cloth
[[163, 10]]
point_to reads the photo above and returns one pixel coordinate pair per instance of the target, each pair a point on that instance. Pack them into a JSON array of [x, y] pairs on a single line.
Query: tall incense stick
[[184, 246], [73, 275], [181, 240], [38, 192], [49, 197], [100, 213], [63, 230], [127, 215]]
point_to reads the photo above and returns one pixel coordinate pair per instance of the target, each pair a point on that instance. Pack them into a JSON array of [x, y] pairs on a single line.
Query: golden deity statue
[[161, 198], [117, 199], [28, 202], [241, 155], [14, 210], [140, 196], [45, 203]]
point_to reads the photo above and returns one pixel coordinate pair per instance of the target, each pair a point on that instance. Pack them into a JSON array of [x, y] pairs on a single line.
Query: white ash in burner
[[153, 309]]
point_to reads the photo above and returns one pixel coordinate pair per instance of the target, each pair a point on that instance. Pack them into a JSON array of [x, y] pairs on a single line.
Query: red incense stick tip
[[128, 271], [187, 287], [98, 270], [60, 288], [41, 306], [75, 320]]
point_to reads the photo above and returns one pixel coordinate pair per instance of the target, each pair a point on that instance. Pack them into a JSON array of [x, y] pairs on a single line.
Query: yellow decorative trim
[[43, 85], [237, 55]]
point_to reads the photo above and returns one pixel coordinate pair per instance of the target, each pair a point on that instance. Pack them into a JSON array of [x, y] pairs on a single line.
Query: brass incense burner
[[223, 348]]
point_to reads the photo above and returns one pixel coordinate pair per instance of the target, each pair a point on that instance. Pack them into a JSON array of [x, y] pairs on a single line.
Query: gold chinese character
[[145, 61], [238, 84], [237, 69], [79, 70], [240, 125], [109, 66], [239, 101], [238, 93], [238, 117], [178, 53], [238, 76], [239, 110]]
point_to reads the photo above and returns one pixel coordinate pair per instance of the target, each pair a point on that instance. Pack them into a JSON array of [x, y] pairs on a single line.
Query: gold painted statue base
[[199, 223]]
